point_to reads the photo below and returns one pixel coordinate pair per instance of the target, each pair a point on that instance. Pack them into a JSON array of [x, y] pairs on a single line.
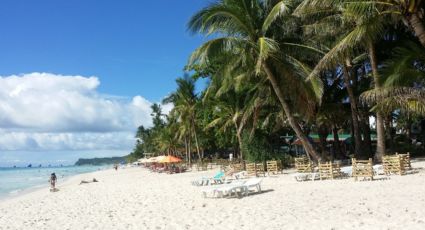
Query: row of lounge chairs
[[393, 164]]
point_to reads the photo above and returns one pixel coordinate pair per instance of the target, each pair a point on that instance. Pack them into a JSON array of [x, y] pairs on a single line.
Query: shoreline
[[45, 186]]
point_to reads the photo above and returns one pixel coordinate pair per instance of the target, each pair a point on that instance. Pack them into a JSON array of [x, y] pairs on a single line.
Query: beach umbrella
[[170, 159], [143, 160], [155, 159]]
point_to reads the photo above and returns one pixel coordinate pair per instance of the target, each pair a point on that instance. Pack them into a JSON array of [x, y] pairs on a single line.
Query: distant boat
[[29, 166], [14, 166], [39, 165]]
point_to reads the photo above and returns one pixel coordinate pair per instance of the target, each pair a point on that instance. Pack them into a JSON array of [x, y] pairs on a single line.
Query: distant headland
[[100, 161]]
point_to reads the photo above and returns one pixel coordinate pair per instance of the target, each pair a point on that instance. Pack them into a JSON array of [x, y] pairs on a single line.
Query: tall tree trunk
[[367, 142], [185, 148], [239, 137], [190, 150], [323, 134], [336, 146], [380, 131], [288, 112], [196, 140], [354, 114], [391, 132], [418, 27]]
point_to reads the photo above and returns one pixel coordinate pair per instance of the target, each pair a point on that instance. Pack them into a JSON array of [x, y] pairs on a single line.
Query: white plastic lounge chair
[[252, 184], [306, 176], [223, 189]]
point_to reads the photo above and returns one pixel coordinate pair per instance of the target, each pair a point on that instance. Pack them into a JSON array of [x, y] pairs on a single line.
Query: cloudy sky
[[78, 77], [54, 118]]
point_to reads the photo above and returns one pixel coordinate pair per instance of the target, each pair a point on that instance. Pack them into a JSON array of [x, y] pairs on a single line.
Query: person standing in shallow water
[[52, 180]]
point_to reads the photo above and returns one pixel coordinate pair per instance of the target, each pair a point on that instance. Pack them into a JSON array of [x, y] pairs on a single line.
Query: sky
[[77, 77]]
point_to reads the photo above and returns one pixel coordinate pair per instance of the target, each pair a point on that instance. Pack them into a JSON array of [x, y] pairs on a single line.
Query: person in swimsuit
[[52, 180]]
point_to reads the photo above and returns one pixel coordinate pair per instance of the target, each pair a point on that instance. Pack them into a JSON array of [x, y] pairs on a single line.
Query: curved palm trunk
[[380, 131], [292, 121], [418, 27], [354, 114]]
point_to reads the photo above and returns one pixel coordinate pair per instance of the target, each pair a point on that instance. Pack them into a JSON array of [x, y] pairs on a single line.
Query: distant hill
[[100, 161]]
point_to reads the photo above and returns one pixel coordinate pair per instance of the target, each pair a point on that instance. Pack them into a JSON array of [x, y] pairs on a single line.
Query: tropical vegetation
[[279, 72]]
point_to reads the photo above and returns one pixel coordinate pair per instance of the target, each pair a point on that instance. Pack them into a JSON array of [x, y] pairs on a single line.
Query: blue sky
[[132, 46], [77, 77]]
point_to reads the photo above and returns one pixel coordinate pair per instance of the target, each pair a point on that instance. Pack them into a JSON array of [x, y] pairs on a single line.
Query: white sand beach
[[137, 199]]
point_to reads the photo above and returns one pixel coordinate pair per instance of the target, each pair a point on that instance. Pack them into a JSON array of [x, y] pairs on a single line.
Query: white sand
[[137, 199]]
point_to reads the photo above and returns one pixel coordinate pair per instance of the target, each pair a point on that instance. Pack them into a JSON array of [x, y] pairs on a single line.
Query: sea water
[[15, 180]]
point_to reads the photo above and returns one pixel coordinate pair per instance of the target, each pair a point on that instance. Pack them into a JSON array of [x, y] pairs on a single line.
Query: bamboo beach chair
[[362, 168], [303, 165], [393, 165], [406, 161], [250, 169], [259, 169], [329, 170], [305, 169], [272, 167], [237, 167]]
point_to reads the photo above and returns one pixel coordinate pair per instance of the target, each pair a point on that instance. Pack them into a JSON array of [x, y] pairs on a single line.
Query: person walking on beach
[[52, 181]]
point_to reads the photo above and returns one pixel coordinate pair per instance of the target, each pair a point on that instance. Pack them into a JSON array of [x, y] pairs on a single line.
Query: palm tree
[[243, 28], [185, 102], [363, 25], [403, 79]]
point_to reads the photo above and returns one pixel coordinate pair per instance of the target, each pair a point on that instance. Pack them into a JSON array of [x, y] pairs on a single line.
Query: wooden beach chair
[[406, 161], [329, 170], [393, 165], [362, 168], [237, 167], [272, 167], [250, 169], [303, 165], [259, 169]]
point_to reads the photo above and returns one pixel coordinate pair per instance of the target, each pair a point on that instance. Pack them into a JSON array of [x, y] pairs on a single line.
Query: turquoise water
[[15, 180]]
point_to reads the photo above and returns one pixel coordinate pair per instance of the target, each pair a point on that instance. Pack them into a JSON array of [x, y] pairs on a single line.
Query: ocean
[[16, 180]]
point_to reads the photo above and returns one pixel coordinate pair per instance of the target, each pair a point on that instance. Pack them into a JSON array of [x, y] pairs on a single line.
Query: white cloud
[[48, 112]]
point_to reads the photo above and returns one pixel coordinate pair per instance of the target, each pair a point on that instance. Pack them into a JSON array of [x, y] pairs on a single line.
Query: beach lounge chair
[[237, 167], [362, 168], [272, 167], [303, 165], [252, 184], [393, 165], [304, 168], [259, 169], [250, 169], [216, 179], [406, 161], [329, 170], [233, 188]]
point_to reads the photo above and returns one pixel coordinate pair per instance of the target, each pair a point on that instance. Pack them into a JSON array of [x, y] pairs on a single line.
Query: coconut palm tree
[[185, 102], [403, 80], [362, 27], [247, 30]]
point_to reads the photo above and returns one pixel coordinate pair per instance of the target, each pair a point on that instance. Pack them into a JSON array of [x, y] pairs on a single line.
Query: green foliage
[[101, 161], [257, 148]]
